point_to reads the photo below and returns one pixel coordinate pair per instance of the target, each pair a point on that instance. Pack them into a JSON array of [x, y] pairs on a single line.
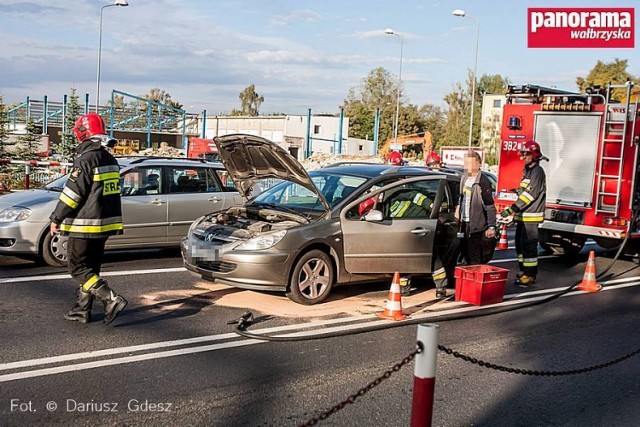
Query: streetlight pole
[[389, 31], [463, 14], [117, 3]]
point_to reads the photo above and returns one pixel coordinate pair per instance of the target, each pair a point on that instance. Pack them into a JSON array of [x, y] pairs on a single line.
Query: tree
[[433, 120], [29, 144], [67, 145], [4, 132], [378, 90], [604, 73], [250, 102], [162, 97], [458, 111]]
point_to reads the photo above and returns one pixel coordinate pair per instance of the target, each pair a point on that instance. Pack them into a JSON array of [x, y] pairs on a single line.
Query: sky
[[300, 54]]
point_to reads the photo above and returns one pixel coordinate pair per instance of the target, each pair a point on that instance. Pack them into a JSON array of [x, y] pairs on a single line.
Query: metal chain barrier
[[364, 390], [518, 371]]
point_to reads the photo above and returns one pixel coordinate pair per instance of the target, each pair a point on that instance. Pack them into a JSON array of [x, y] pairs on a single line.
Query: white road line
[[105, 274], [123, 360], [240, 343]]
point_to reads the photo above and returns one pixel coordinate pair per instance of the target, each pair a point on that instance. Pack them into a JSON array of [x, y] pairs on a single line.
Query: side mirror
[[374, 216]]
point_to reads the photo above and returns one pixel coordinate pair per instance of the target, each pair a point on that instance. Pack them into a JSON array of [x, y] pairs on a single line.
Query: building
[[491, 123], [290, 132]]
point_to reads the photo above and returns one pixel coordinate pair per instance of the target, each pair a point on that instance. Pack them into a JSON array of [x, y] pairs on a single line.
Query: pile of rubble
[[319, 160], [165, 150]]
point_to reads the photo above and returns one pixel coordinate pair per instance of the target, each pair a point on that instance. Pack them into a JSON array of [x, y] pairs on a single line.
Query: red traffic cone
[[589, 283], [393, 310], [503, 243]]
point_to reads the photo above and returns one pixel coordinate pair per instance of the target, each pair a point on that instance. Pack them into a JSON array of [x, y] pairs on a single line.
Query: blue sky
[[299, 54]]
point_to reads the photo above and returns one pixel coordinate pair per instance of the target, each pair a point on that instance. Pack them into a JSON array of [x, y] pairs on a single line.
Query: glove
[[506, 213]]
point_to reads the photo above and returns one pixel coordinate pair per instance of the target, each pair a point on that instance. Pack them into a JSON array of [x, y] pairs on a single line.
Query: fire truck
[[203, 149], [591, 142]]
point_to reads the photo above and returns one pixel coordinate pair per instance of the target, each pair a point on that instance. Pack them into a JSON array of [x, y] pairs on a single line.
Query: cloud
[[29, 8], [305, 15], [381, 33]]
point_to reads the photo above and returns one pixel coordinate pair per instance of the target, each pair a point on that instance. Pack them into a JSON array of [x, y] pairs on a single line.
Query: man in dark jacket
[[89, 211], [477, 212], [529, 212]]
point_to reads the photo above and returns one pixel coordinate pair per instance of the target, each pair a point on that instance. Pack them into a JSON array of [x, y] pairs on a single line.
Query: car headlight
[[264, 241], [14, 214]]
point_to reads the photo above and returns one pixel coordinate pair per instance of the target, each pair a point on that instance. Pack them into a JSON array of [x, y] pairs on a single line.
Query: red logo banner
[[581, 27]]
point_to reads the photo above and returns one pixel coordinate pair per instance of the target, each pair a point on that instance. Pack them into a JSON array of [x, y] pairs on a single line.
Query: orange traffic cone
[[393, 310], [589, 283], [503, 243]]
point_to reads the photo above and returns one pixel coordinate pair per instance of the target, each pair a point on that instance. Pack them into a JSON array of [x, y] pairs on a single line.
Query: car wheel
[[54, 250], [312, 278]]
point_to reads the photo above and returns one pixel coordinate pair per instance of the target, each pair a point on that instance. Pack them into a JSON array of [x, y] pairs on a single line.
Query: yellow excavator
[[425, 139]]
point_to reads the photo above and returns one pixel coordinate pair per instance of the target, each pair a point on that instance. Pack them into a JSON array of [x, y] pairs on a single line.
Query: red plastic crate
[[480, 284]]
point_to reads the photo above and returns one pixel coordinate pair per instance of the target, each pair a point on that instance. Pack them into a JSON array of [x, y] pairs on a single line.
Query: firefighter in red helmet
[[433, 160], [89, 211], [529, 212], [394, 158]]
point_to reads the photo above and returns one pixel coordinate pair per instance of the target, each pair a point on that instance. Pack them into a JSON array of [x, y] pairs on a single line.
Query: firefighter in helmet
[[433, 160], [394, 158], [529, 212], [89, 211]]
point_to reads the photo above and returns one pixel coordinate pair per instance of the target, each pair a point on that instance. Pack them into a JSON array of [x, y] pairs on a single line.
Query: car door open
[[398, 232]]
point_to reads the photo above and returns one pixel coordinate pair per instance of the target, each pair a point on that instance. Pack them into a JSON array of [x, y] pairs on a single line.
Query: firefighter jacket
[[532, 195], [482, 209], [409, 204], [89, 205]]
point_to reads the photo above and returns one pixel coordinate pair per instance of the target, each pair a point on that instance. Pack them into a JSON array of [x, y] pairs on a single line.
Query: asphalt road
[[171, 358]]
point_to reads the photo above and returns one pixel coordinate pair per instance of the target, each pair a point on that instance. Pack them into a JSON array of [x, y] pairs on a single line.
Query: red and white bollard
[[424, 381]]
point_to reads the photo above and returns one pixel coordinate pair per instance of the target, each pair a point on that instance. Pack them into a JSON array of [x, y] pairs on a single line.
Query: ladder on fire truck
[[614, 133]]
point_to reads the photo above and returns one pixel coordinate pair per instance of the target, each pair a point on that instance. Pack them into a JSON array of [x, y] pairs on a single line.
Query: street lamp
[[116, 3], [463, 14], [390, 32]]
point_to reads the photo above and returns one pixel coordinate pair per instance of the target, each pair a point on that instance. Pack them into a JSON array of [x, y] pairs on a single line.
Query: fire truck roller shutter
[[570, 141]]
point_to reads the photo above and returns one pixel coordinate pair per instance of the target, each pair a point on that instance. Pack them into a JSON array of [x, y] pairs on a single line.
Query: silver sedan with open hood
[[311, 231]]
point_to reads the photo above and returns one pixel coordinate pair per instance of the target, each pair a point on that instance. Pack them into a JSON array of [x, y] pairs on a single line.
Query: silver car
[[335, 225], [160, 200]]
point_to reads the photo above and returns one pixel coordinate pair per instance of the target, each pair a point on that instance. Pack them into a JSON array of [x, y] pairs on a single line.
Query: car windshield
[[289, 196], [57, 184]]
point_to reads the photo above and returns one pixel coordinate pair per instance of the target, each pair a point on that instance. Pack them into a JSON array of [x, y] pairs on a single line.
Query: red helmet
[[89, 125], [433, 159], [395, 158], [533, 148]]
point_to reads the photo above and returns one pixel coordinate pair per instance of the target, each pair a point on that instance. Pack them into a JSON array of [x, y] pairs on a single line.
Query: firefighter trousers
[[85, 260], [527, 247]]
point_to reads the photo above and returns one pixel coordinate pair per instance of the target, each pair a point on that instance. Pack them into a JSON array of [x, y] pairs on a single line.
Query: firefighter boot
[[81, 311], [525, 280], [113, 303]]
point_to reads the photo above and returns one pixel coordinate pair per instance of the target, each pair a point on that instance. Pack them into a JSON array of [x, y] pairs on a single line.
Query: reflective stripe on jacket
[[532, 195], [89, 204]]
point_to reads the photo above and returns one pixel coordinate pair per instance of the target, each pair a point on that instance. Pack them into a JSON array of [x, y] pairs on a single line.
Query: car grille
[[218, 266]]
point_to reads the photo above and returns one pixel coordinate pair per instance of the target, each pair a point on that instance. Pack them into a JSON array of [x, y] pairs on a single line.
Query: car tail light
[[615, 221]]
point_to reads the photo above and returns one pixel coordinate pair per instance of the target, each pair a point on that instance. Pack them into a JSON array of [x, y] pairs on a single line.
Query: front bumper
[[19, 237], [257, 270]]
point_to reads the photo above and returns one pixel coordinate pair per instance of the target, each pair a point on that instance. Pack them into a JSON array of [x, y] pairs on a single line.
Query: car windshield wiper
[[54, 188]]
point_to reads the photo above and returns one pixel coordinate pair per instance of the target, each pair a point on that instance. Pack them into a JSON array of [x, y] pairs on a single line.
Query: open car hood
[[250, 158]]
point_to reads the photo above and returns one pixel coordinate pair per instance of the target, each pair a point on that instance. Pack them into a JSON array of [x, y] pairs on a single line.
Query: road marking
[[105, 274], [245, 342]]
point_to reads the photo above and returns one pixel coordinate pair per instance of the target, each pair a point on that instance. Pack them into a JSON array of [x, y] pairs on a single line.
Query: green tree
[[433, 120], [29, 144], [603, 73], [458, 111], [250, 102], [67, 145], [4, 132], [378, 90]]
